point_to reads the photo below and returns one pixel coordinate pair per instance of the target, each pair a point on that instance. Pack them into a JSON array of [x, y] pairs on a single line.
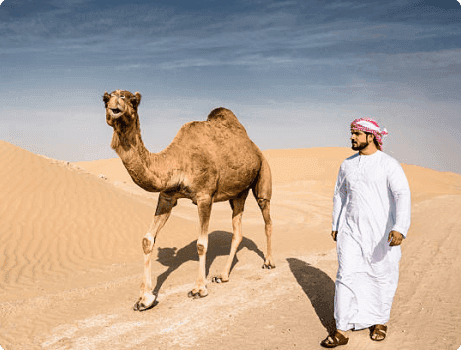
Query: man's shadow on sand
[[219, 243], [319, 288]]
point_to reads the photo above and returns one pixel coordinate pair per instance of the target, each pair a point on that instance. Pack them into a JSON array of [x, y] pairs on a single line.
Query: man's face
[[360, 140]]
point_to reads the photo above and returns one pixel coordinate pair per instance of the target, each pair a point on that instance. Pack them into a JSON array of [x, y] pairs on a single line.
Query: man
[[371, 216]]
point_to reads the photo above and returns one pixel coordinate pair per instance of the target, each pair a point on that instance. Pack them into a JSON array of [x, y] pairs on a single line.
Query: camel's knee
[[148, 244], [263, 203], [202, 245], [201, 249]]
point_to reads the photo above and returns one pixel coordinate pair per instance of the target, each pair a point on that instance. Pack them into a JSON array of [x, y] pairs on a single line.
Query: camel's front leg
[[162, 213], [237, 206], [204, 213]]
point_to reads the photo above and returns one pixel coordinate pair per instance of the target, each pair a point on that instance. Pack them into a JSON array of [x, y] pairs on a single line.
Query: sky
[[295, 73]]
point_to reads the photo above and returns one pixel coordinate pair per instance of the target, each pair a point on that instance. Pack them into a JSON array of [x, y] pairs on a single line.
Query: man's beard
[[359, 146]]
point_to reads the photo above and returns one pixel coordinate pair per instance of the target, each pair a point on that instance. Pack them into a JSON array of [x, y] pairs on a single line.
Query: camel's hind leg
[[162, 213], [264, 205], [237, 205], [263, 192]]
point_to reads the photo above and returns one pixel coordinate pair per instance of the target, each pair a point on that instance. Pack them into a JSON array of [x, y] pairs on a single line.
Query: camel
[[208, 161]]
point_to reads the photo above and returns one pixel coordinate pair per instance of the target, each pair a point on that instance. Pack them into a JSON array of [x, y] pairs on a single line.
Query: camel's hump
[[222, 114]]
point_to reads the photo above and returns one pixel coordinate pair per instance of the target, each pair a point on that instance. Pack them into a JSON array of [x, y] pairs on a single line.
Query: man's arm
[[339, 200], [398, 184]]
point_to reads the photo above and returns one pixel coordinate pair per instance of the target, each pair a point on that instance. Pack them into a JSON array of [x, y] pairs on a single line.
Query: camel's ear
[[136, 99], [106, 98]]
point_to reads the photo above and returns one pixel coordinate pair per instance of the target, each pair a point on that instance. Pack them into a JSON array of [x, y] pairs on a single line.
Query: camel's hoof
[[268, 266], [141, 305], [196, 295], [218, 279]]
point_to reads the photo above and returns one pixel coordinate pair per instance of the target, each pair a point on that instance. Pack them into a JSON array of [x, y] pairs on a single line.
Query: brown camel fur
[[208, 161]]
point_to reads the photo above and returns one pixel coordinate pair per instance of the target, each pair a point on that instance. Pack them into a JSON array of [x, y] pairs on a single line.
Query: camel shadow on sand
[[319, 288], [219, 243]]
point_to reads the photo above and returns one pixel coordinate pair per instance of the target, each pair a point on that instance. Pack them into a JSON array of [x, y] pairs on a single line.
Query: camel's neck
[[144, 167]]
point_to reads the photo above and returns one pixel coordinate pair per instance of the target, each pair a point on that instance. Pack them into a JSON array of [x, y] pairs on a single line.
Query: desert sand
[[71, 261]]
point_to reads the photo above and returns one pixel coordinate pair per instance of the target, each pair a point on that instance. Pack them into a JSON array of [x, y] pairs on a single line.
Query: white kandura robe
[[372, 198]]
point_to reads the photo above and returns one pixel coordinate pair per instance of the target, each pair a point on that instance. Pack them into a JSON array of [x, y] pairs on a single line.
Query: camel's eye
[[122, 97]]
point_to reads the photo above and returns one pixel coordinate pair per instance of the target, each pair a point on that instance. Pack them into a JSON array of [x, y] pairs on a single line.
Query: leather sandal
[[334, 340], [378, 331]]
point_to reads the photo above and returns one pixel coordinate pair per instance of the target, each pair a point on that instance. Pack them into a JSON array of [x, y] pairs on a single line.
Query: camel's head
[[121, 107]]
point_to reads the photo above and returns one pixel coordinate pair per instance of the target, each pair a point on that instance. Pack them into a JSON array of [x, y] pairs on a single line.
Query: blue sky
[[295, 73]]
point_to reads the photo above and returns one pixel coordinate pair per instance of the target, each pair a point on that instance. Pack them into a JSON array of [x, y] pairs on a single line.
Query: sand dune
[[58, 221], [71, 261]]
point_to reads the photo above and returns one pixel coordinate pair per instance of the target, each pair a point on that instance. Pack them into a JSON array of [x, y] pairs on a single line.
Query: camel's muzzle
[[115, 112]]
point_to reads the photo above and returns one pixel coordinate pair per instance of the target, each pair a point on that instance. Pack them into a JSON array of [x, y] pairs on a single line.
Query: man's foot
[[334, 340], [378, 332]]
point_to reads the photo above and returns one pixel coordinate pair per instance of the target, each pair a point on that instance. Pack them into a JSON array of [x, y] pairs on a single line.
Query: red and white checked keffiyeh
[[371, 126]]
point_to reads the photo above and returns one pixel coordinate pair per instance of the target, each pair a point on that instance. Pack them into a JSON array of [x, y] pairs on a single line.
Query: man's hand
[[334, 234], [395, 238]]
